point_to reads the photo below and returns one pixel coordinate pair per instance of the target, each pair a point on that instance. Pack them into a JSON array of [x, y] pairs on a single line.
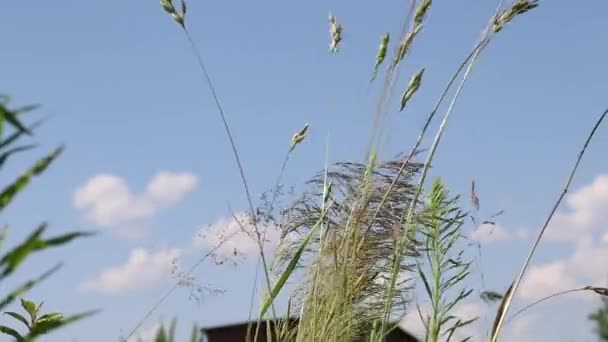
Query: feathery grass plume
[[381, 55], [412, 88], [298, 137], [335, 33], [344, 275], [506, 302], [421, 12], [441, 227], [178, 16], [506, 15]]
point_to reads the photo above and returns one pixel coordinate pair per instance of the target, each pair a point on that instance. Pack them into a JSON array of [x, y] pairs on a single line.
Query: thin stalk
[[545, 299], [389, 84], [425, 128], [177, 283], [257, 268], [410, 213], [515, 286], [235, 153]]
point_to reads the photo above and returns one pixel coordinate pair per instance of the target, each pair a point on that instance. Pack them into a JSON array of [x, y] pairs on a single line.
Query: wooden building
[[238, 332]]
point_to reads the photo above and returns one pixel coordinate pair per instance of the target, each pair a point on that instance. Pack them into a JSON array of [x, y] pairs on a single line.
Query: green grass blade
[[9, 193], [4, 155], [23, 288], [18, 317], [16, 135], [11, 332], [11, 260], [11, 118], [290, 268]]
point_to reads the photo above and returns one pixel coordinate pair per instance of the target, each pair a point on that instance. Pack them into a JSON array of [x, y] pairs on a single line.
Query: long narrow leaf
[[18, 317], [11, 260], [8, 194], [4, 155], [290, 268], [16, 135], [11, 118], [23, 288], [11, 332]]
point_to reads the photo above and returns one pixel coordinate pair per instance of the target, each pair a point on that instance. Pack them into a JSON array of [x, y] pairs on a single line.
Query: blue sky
[[123, 92]]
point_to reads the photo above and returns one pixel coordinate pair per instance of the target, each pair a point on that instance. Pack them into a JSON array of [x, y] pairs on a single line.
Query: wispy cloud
[[235, 236], [143, 269], [107, 201], [497, 233]]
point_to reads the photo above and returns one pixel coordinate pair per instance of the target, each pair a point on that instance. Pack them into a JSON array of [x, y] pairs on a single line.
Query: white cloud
[[488, 234], [107, 201], [142, 270], [234, 237], [584, 224], [546, 279], [585, 213], [497, 233]]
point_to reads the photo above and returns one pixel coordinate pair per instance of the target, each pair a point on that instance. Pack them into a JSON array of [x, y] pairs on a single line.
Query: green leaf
[[161, 336], [17, 255], [16, 135], [8, 194], [62, 239], [172, 327], [34, 243], [9, 331], [11, 118], [4, 155], [23, 288], [425, 281], [18, 317], [52, 316], [290, 268], [47, 326]]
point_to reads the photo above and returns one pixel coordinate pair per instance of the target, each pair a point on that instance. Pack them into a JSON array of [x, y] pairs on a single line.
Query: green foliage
[[447, 268], [600, 319], [38, 324], [10, 261]]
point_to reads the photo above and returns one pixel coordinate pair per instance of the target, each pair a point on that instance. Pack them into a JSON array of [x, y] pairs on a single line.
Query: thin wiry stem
[[257, 268], [425, 128], [545, 299], [389, 84], [178, 282], [220, 109], [515, 286]]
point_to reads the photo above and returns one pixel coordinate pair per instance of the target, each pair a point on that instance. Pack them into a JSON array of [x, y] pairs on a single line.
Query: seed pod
[[298, 137], [411, 88], [381, 53]]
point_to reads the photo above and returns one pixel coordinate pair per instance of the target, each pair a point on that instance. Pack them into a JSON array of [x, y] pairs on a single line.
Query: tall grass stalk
[[499, 20], [504, 307]]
